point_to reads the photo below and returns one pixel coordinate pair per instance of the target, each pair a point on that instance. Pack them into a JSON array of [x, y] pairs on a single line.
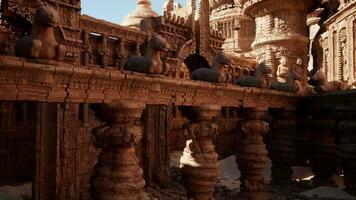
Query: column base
[[253, 196]]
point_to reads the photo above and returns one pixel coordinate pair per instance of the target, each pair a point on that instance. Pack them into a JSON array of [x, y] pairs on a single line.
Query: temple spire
[[168, 6], [142, 11]]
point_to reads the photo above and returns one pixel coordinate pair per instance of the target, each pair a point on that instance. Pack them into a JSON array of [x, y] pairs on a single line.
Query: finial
[[144, 2], [168, 6]]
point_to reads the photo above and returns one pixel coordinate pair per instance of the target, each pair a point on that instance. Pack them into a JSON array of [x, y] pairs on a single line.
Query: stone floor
[[291, 191]]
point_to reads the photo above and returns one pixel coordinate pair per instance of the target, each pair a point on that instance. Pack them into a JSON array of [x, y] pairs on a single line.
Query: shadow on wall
[[196, 61]]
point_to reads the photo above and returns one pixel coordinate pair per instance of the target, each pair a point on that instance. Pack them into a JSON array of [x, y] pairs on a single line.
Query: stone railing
[[345, 3], [59, 82]]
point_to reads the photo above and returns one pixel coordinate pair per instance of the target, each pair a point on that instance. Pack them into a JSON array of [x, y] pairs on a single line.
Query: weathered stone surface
[[283, 146], [199, 163], [251, 155], [117, 175], [327, 193]]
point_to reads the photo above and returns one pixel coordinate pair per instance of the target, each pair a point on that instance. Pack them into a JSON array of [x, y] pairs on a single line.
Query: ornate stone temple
[[338, 44], [93, 110]]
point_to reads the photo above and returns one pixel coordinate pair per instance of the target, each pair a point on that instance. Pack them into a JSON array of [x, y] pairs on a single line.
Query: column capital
[[207, 112], [120, 111], [255, 113], [121, 128], [281, 113]]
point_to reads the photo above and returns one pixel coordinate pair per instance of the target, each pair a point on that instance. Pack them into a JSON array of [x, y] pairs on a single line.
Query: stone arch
[[184, 51], [196, 61]]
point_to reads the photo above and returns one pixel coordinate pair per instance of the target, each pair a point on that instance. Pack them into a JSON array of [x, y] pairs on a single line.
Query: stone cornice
[[94, 25], [282, 39], [330, 100], [261, 7], [58, 82], [342, 14]]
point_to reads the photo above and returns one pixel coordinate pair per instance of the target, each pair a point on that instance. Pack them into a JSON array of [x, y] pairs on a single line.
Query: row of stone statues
[[41, 43]]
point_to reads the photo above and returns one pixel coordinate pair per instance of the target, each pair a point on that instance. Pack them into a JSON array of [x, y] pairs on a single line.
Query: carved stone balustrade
[[347, 146], [251, 155], [283, 147], [199, 162], [59, 82], [323, 146], [117, 175]]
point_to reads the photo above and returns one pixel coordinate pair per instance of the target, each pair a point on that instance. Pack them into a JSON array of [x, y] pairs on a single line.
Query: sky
[[115, 10]]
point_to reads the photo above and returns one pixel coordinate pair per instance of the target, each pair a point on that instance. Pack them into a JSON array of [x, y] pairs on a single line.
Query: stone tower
[[281, 33]]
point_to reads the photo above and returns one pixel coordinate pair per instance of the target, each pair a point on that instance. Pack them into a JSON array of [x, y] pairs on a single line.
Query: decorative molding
[[59, 82]]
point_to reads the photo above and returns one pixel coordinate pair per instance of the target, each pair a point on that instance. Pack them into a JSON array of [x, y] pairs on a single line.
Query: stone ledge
[[60, 82]]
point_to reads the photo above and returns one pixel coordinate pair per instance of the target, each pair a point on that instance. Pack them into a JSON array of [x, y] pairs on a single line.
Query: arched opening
[[196, 61]]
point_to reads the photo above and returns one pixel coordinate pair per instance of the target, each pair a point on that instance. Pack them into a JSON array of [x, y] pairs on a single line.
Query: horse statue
[[215, 73], [41, 43], [322, 85], [151, 62], [258, 80], [290, 85]]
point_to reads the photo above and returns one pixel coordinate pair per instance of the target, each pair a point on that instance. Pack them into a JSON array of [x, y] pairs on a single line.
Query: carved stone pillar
[[323, 147], [104, 51], [252, 155], [117, 175], [347, 146], [199, 162], [283, 147], [87, 50]]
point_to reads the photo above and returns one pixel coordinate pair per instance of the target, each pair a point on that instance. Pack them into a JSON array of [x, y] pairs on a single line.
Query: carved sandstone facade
[[338, 43], [99, 131]]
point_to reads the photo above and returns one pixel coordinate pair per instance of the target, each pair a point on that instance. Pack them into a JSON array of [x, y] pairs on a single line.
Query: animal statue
[[304, 89], [151, 62], [216, 73], [41, 42], [324, 86], [258, 80], [290, 85]]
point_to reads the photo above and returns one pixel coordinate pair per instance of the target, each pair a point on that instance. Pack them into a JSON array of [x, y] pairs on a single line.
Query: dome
[[142, 11]]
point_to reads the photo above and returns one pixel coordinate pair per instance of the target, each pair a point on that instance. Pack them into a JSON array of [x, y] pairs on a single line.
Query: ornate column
[[251, 155], [323, 147], [199, 162], [87, 50], [104, 51], [117, 175], [283, 147], [347, 146]]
